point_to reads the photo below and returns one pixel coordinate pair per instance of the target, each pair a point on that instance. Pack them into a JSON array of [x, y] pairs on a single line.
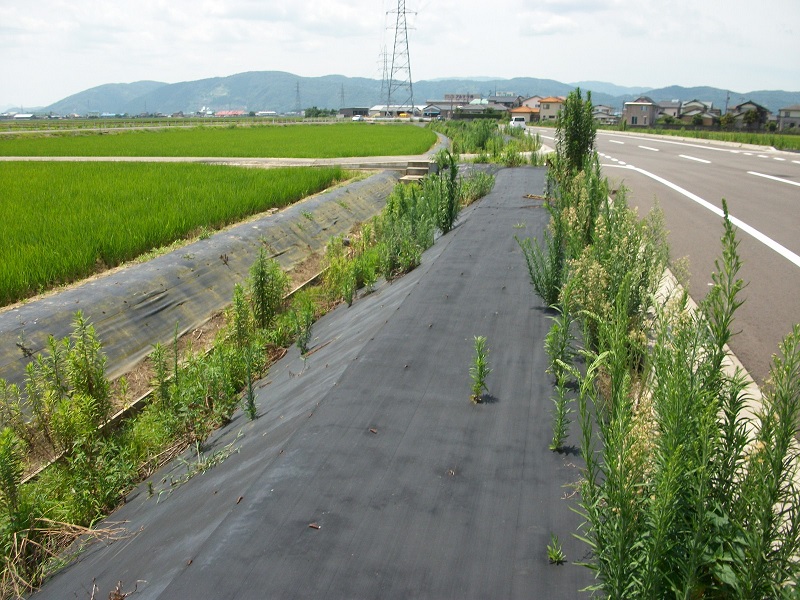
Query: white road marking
[[622, 162], [616, 142], [747, 153], [790, 182], [778, 158], [700, 160], [796, 161], [762, 156], [649, 148], [767, 241]]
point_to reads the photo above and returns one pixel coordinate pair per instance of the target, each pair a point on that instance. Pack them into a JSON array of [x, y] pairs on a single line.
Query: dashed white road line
[[763, 156], [796, 161], [747, 153], [789, 181], [700, 160], [649, 148], [764, 239], [616, 142], [778, 158]]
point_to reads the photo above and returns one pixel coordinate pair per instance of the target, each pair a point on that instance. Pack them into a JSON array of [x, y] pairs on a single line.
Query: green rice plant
[[250, 408], [479, 370], [99, 215], [305, 141], [268, 285]]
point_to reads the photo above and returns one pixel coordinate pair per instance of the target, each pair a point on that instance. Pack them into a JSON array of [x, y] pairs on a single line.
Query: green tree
[[697, 120]]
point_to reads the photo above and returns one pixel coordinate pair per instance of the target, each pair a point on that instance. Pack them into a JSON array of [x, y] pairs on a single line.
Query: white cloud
[[53, 48]]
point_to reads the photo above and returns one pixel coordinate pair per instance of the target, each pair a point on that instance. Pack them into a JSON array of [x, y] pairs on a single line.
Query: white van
[[518, 122]]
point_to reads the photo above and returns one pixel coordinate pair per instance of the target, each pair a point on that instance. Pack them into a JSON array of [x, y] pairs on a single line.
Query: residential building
[[604, 115], [789, 118], [530, 114], [550, 107], [507, 99], [669, 108], [532, 102], [742, 119], [640, 113]]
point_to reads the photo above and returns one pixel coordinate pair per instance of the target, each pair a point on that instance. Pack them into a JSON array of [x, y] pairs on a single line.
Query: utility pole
[[297, 105], [399, 82], [341, 99]]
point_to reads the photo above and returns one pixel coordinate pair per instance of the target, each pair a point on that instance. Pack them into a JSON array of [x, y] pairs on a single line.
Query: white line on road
[[747, 153], [796, 161], [616, 142], [778, 158], [649, 148], [774, 178], [700, 160], [763, 156], [767, 241]]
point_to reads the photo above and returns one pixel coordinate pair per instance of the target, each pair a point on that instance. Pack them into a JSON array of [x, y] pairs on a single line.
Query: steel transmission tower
[[399, 87]]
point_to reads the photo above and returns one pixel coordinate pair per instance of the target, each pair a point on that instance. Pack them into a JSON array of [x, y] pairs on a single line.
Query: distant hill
[[278, 91], [106, 98], [603, 87]]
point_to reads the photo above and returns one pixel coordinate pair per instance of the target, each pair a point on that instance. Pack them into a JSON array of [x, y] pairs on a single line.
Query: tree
[[751, 118], [727, 120], [697, 120]]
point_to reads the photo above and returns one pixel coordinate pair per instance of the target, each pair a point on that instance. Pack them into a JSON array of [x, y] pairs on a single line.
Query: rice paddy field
[[273, 141], [63, 221]]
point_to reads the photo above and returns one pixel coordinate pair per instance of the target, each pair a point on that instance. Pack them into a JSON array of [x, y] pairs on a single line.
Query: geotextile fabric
[[139, 305], [369, 472]]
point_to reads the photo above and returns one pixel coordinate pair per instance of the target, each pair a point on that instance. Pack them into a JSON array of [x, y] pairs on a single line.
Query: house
[[395, 111], [669, 108], [640, 113], [507, 99], [532, 102], [750, 115], [481, 107], [531, 115], [345, 113], [604, 115], [549, 108], [789, 118]]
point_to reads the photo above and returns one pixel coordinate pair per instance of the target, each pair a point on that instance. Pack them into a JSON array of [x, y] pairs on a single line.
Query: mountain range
[[284, 92]]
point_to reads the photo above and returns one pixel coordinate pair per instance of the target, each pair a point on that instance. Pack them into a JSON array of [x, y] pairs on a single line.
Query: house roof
[[792, 107], [642, 100], [524, 109], [551, 100]]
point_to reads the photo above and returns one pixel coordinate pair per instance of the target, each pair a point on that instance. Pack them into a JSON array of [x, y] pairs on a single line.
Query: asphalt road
[[689, 179]]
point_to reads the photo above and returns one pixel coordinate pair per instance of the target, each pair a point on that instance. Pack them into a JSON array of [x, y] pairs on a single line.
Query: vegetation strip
[[687, 491], [306, 141]]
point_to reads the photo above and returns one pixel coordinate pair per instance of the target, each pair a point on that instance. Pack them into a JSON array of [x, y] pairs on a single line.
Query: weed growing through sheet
[[479, 370], [555, 553]]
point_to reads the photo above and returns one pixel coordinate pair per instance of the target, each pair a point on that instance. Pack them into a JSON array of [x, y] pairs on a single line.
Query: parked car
[[358, 118], [518, 122]]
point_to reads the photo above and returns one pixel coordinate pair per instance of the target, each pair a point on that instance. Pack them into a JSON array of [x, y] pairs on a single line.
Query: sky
[[50, 49]]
